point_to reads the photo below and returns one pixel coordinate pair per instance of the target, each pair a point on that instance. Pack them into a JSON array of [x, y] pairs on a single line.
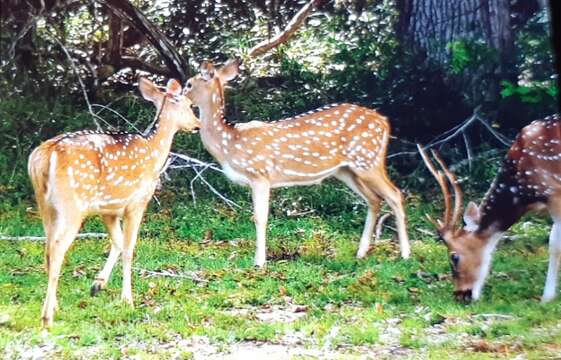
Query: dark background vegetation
[[427, 64]]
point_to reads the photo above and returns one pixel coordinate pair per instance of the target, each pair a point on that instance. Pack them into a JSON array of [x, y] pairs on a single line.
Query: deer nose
[[463, 296]]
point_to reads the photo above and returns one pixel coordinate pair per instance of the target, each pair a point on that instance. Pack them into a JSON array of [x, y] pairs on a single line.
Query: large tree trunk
[[428, 27], [431, 25], [555, 13]]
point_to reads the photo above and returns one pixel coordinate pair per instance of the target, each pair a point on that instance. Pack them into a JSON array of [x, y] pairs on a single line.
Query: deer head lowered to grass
[[111, 174], [344, 141], [530, 178]]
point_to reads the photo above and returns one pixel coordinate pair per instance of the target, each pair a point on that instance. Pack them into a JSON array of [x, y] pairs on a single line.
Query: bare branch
[[126, 10], [455, 132], [195, 164], [136, 63], [192, 275], [289, 30], [43, 238], [380, 225], [82, 85]]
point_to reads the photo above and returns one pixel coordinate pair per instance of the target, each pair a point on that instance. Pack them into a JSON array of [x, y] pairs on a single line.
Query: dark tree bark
[[555, 12], [126, 11], [428, 27], [433, 24]]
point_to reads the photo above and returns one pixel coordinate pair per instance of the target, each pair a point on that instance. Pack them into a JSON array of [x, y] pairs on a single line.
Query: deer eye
[[454, 260], [189, 84]]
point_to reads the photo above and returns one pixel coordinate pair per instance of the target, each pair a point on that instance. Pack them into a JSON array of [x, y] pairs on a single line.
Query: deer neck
[[160, 138], [528, 176], [217, 135], [505, 202]]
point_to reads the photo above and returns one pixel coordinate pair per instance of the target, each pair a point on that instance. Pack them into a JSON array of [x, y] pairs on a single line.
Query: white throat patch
[[486, 257]]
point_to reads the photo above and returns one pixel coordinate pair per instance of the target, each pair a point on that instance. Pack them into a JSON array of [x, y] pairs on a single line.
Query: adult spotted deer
[[345, 141], [111, 174], [530, 178]]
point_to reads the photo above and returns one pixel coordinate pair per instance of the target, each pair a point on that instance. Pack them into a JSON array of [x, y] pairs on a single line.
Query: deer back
[[310, 143]]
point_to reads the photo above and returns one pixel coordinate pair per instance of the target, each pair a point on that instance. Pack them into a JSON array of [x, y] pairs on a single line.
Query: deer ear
[[207, 70], [173, 87], [148, 90], [229, 70], [472, 216]]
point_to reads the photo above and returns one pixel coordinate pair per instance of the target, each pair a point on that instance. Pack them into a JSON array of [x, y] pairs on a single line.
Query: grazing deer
[[345, 141], [111, 174], [530, 179]]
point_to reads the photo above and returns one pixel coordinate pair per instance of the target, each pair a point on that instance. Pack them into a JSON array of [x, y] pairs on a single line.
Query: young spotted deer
[[530, 179], [345, 141], [111, 174]]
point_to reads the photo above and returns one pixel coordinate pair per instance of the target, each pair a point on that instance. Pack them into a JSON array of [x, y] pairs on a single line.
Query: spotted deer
[[111, 174], [530, 179], [344, 141]]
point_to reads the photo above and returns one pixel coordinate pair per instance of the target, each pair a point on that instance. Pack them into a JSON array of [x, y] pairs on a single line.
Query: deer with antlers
[[111, 174], [530, 179], [344, 141]]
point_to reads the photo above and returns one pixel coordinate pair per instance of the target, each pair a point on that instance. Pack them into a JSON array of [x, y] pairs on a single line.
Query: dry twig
[[43, 238], [191, 275]]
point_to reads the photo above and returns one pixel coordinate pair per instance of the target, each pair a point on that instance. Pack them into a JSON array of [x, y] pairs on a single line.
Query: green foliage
[[469, 55], [533, 93]]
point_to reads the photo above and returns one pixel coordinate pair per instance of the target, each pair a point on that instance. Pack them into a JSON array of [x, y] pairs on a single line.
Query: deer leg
[[62, 231], [373, 209], [132, 220], [368, 231], [554, 260], [260, 192], [114, 228], [385, 189]]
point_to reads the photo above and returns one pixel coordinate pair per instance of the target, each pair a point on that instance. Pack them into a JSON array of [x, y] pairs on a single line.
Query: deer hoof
[[547, 298], [127, 300], [361, 254], [97, 286], [47, 322]]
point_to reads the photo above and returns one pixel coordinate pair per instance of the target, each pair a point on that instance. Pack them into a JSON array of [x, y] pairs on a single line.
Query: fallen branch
[[43, 238], [459, 130], [495, 316], [191, 275], [199, 167], [380, 225]]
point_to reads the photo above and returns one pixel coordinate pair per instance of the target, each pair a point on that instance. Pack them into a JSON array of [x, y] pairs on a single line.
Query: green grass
[[346, 305]]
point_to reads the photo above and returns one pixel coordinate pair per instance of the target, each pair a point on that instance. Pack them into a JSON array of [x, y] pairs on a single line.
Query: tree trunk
[[431, 25], [555, 14]]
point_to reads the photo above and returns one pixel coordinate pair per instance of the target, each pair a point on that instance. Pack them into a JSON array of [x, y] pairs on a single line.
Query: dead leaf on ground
[[79, 271]]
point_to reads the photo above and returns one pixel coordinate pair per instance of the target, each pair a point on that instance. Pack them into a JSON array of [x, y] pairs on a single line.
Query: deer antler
[[450, 220], [290, 29], [458, 196]]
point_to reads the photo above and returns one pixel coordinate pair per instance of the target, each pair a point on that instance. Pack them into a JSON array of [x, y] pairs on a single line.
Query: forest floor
[[198, 295]]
